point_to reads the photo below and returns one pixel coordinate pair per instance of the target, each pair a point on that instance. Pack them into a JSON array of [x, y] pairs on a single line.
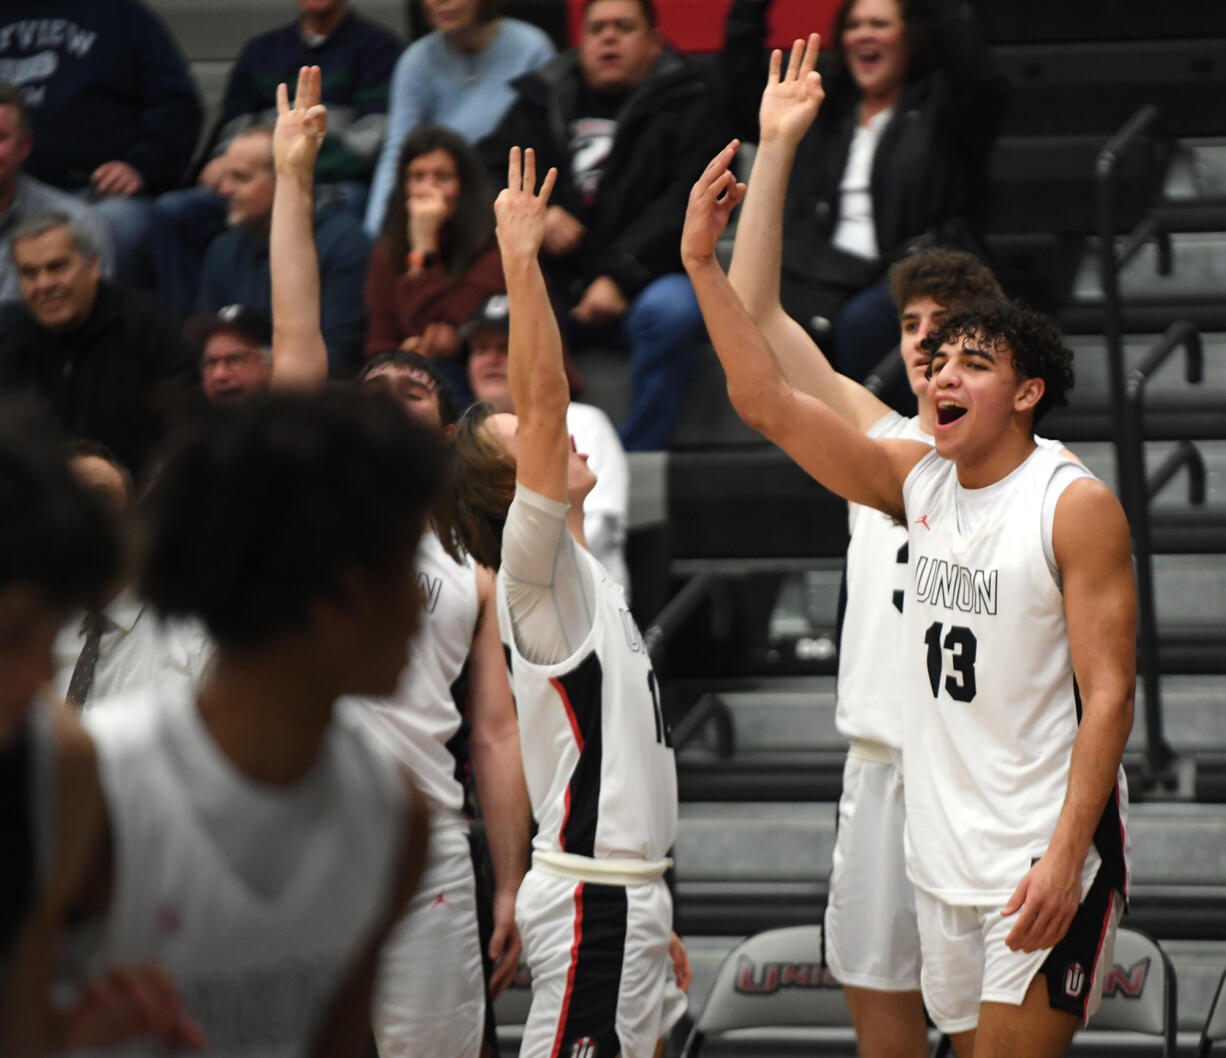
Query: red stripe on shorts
[[570, 973], [1098, 954]]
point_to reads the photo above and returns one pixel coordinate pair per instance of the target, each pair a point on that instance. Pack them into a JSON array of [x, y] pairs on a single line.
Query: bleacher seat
[[1214, 1031]]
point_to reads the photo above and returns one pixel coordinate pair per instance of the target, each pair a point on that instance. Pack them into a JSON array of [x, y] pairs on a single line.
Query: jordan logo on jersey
[[924, 521], [583, 1047], [955, 587]]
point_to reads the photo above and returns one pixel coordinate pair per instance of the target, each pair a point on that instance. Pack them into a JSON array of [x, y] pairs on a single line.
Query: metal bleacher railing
[[1179, 531]]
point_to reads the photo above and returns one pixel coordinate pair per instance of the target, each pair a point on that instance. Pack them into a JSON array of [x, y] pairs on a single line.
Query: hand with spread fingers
[[712, 200], [790, 103], [1045, 902], [300, 129], [519, 210]]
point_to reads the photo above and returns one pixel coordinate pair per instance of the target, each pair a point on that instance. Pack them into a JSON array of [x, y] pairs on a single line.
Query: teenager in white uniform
[[57, 550], [594, 910], [431, 992], [996, 965], [871, 937]]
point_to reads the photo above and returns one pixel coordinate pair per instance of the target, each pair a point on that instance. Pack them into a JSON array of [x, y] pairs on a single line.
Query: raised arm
[[789, 105], [299, 355], [831, 450], [539, 389], [1091, 545]]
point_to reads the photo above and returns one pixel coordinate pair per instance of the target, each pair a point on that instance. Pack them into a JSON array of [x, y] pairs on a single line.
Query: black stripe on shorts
[[588, 1020], [1070, 966]]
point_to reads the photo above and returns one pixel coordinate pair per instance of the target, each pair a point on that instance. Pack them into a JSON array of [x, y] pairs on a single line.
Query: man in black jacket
[[629, 124], [95, 354]]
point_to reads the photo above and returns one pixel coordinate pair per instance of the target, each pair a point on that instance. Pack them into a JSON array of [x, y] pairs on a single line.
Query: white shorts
[[871, 936], [429, 997], [602, 978], [967, 963]]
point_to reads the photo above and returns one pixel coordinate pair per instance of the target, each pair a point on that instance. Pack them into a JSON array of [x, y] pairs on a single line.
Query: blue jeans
[[129, 221], [661, 328], [187, 221]]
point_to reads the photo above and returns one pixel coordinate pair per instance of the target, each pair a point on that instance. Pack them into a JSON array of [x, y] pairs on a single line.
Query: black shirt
[[104, 380]]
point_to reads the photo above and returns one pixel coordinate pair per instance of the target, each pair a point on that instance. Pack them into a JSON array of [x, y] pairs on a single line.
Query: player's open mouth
[[949, 412]]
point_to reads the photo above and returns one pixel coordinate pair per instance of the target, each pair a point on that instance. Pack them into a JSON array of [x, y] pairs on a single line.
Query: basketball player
[[57, 550], [875, 956], [1020, 579], [594, 911], [431, 996]]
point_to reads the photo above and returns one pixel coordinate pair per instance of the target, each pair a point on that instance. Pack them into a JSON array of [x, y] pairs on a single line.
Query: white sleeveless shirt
[[598, 759], [258, 900], [868, 704], [421, 723], [992, 708]]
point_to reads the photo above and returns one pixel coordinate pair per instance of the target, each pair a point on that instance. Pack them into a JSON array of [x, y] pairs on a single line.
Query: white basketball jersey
[[598, 758], [870, 687], [421, 722], [992, 708], [256, 964]]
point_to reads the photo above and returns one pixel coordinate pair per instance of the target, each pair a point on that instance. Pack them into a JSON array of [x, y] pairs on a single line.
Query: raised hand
[[712, 200], [300, 129], [790, 103], [519, 210]]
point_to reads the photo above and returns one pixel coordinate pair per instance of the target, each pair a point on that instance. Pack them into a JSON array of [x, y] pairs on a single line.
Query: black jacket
[[930, 170], [667, 131], [102, 381]]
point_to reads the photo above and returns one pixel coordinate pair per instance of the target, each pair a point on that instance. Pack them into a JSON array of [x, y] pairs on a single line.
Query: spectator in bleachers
[[357, 57], [459, 76], [116, 115], [235, 352], [606, 506], [94, 353], [21, 195], [236, 270], [628, 124], [896, 160], [436, 261]]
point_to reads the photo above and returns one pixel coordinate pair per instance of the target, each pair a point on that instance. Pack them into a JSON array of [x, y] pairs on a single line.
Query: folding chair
[[1139, 993], [1215, 1024], [771, 980]]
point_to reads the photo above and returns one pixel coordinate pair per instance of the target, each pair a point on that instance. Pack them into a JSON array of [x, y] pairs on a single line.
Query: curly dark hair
[[467, 233], [1032, 341], [55, 534], [953, 279], [268, 504], [474, 509]]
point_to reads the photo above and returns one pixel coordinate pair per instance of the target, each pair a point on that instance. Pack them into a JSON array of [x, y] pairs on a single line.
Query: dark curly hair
[[953, 279], [268, 504], [470, 230], [1032, 341], [55, 534]]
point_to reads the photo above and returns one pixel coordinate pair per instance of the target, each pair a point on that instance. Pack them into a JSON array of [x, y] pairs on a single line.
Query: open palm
[[790, 103]]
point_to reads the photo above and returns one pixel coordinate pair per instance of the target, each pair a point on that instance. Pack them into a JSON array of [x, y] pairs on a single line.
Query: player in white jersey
[[431, 992], [594, 910], [874, 954], [995, 969], [57, 550]]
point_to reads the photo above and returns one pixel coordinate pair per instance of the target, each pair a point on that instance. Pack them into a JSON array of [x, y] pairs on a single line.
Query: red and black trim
[[580, 693], [1071, 965], [588, 1016]]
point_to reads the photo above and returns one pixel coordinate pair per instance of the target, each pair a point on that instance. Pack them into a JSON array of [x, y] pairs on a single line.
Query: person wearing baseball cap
[[235, 345]]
